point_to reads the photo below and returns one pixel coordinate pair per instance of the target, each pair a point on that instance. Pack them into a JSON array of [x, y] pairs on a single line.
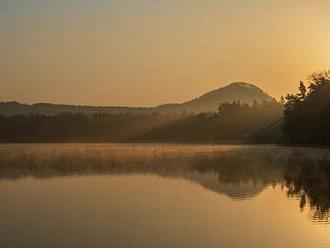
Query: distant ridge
[[238, 91]]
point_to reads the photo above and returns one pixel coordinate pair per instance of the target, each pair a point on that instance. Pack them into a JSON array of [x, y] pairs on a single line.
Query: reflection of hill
[[231, 171], [237, 172], [212, 182]]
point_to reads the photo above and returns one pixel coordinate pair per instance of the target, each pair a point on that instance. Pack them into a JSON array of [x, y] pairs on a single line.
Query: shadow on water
[[238, 172]]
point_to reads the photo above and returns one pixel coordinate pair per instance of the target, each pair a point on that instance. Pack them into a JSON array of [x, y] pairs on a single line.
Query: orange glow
[[150, 52]]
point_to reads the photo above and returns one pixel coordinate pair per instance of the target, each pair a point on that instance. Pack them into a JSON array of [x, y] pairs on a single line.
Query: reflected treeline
[[309, 180], [238, 172]]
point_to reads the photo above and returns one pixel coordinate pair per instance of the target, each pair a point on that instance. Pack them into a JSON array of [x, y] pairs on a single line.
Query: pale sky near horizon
[[149, 52]]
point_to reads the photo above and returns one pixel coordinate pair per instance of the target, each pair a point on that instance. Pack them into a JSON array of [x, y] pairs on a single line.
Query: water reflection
[[308, 180], [239, 172]]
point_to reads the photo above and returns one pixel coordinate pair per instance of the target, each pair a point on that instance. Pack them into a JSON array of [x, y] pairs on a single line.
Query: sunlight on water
[[163, 196]]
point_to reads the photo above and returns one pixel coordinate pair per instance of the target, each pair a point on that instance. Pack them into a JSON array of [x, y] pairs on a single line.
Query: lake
[[162, 195]]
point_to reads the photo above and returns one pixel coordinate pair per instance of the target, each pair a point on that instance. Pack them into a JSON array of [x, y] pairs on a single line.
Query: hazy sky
[[147, 52]]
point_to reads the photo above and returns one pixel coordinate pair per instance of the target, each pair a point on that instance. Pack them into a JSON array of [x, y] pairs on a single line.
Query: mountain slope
[[239, 91], [210, 101]]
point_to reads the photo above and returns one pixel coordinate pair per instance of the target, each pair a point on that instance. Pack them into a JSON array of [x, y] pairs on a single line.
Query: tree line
[[307, 113], [233, 121], [301, 118]]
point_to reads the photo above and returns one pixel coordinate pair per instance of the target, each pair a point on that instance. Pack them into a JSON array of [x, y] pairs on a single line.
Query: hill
[[239, 91]]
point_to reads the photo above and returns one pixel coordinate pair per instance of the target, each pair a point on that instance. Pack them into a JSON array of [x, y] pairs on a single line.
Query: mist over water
[[120, 195]]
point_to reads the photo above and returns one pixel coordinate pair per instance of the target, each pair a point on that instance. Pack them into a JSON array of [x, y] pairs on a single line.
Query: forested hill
[[239, 91], [233, 122]]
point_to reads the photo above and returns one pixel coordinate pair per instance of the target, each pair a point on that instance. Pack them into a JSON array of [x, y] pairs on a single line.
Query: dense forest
[[302, 118], [233, 122], [307, 113]]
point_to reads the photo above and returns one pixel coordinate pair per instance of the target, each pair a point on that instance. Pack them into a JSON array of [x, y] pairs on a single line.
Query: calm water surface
[[101, 195]]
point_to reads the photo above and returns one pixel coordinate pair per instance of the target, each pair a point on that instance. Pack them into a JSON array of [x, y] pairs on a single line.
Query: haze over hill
[[238, 91]]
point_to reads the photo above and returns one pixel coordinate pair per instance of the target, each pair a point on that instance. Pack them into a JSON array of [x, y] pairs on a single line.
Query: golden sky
[[148, 52]]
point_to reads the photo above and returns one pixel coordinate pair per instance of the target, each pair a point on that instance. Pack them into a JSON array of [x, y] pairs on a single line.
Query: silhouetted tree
[[302, 91], [226, 108], [307, 114]]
